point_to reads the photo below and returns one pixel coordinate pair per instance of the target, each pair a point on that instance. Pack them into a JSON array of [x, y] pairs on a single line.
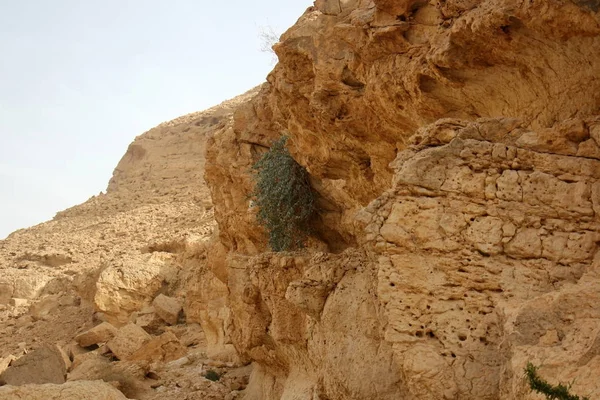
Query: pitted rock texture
[[455, 149], [482, 263], [357, 78], [481, 257]]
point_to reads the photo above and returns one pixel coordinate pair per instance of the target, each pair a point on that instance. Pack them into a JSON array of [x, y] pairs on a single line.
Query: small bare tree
[[268, 38]]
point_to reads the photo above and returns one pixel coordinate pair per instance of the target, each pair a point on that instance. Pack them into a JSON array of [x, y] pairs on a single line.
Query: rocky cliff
[[455, 150]]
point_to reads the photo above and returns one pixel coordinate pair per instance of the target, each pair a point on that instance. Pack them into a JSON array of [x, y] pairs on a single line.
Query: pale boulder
[[130, 285], [127, 341], [80, 390], [99, 334], [43, 365], [164, 348], [167, 308]]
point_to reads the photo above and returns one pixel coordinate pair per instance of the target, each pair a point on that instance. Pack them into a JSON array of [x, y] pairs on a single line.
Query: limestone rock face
[[481, 257], [80, 390], [455, 150], [356, 79], [207, 303]]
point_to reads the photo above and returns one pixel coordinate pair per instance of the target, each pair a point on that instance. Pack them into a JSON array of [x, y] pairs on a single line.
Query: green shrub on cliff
[[284, 197], [539, 385], [212, 375]]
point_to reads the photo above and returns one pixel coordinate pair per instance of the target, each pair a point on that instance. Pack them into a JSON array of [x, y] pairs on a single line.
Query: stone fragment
[[15, 302], [5, 362], [42, 309], [151, 323], [127, 341], [168, 308], [164, 348], [6, 293], [82, 358], [99, 334], [43, 365]]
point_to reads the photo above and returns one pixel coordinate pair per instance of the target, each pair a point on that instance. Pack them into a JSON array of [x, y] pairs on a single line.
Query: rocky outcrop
[[454, 147], [481, 257], [82, 390], [356, 79]]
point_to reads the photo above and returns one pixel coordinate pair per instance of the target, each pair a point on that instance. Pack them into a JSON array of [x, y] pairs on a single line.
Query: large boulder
[[163, 348], [80, 390], [99, 334], [43, 365], [127, 341], [167, 308], [132, 283]]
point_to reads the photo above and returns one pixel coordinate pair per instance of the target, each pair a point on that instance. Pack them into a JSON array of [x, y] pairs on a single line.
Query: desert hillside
[[103, 263], [454, 149]]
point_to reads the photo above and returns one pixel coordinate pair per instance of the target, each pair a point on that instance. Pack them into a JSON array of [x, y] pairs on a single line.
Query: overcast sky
[[80, 79]]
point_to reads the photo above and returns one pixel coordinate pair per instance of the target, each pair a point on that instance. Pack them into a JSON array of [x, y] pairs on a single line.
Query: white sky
[[79, 79]]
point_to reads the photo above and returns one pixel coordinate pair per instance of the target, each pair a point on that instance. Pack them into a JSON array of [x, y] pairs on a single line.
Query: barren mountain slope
[[108, 259]]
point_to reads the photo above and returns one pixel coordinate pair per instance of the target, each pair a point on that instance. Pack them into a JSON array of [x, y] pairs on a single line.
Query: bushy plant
[[539, 385], [212, 375], [284, 197]]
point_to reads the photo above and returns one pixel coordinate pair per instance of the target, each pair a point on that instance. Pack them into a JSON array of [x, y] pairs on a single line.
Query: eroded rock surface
[[82, 390], [455, 150]]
